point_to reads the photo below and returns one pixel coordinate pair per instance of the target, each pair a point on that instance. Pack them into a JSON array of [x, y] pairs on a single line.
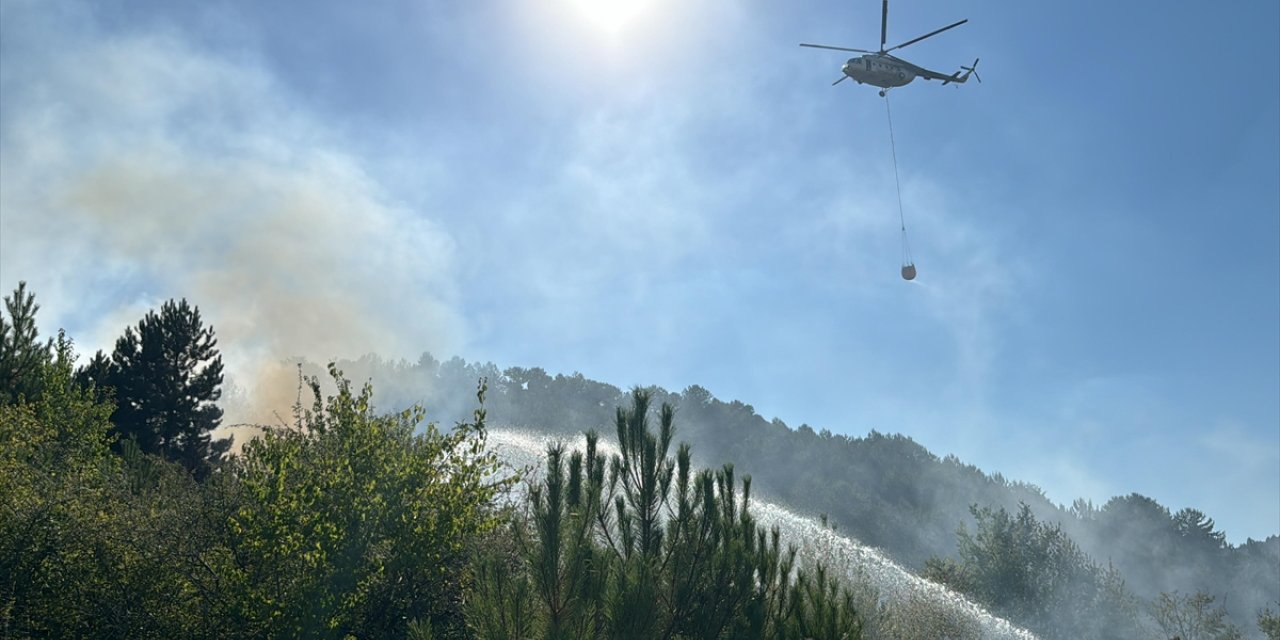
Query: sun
[[610, 16]]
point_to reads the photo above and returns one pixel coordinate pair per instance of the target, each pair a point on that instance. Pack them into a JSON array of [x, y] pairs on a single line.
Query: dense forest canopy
[[124, 513], [884, 489]]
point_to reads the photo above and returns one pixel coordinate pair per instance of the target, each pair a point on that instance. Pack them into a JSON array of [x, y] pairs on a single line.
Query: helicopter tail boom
[[959, 78]]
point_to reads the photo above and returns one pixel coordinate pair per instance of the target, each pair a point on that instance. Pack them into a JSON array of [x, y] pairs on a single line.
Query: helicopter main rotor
[[884, 32], [927, 35]]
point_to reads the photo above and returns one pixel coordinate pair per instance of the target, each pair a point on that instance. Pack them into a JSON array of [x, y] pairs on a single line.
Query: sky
[[670, 193]]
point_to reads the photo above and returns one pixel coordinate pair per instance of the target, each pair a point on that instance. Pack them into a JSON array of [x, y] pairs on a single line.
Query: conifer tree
[[637, 545], [1197, 527], [22, 355], [166, 378]]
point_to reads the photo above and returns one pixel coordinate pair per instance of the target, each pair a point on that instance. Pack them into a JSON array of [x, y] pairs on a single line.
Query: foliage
[[949, 573], [22, 355], [350, 523], [883, 489], [638, 545], [166, 378], [1192, 617], [347, 524], [1033, 574], [1269, 623], [90, 543], [500, 605], [52, 452], [1195, 525]]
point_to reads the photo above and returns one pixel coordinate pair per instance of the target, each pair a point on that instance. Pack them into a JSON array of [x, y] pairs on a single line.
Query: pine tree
[[22, 355], [166, 378], [1194, 525], [638, 545], [96, 375]]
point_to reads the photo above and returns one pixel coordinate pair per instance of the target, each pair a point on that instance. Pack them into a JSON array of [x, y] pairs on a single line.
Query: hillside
[[884, 489]]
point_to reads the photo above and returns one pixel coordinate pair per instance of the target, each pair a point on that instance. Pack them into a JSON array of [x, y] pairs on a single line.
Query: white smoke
[[137, 168]]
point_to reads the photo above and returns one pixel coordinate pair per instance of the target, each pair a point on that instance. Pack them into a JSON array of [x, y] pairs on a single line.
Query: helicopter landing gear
[[882, 93]]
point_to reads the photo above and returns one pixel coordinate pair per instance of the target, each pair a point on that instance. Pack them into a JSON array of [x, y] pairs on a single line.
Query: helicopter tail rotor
[[972, 70]]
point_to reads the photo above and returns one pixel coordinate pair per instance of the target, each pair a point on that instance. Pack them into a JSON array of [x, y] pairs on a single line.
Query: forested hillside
[[344, 523], [124, 513], [884, 489]]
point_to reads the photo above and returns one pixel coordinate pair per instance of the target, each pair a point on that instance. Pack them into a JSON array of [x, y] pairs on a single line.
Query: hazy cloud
[[137, 168]]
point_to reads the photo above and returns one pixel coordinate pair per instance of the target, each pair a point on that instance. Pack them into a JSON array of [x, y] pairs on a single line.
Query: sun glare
[[610, 16]]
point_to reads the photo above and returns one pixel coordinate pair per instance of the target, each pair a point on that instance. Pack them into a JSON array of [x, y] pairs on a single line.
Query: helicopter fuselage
[[878, 71]]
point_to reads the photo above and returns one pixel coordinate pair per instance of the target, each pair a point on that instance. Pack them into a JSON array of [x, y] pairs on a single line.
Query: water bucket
[[908, 272]]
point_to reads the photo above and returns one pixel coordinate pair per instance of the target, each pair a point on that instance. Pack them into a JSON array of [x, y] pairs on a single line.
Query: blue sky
[[679, 197]]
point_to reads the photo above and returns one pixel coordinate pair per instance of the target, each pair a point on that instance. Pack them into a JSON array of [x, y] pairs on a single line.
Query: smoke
[[137, 168]]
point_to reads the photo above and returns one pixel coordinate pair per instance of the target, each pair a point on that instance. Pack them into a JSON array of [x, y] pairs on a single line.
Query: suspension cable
[[902, 218]]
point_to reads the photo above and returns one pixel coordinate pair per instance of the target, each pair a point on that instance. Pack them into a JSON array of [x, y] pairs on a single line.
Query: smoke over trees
[[1269, 623], [1032, 572], [1193, 617], [883, 489], [349, 519], [346, 523]]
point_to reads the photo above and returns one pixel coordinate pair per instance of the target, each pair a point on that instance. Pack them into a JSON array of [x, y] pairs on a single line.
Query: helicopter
[[879, 69]]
